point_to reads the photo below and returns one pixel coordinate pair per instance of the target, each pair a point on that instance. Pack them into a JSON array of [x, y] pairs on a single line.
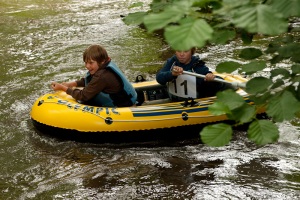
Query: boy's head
[[185, 56], [193, 50], [96, 53]]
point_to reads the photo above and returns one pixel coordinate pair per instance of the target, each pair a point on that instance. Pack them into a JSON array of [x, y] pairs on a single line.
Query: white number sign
[[184, 86]]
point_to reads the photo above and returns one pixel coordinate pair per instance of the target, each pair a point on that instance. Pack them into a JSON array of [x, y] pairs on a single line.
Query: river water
[[42, 41]]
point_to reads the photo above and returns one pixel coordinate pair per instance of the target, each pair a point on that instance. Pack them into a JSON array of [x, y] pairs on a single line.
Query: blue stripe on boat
[[148, 113]]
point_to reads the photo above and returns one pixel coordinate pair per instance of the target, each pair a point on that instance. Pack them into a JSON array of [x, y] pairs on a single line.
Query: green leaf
[[295, 69], [289, 50], [261, 99], [260, 19], [230, 98], [286, 39], [158, 6], [276, 59], [229, 6], [250, 53], [253, 67], [244, 114], [281, 72], [134, 18], [284, 107], [159, 21], [258, 84], [216, 135], [219, 108], [277, 83], [287, 8], [270, 21], [263, 132], [245, 17], [227, 67], [190, 33], [221, 37], [295, 57], [272, 47], [171, 14]]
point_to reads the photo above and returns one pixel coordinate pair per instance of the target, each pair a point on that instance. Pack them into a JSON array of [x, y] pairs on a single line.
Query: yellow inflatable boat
[[156, 117]]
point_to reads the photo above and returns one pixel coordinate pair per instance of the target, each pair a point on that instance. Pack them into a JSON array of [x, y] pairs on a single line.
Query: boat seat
[[158, 101], [152, 95]]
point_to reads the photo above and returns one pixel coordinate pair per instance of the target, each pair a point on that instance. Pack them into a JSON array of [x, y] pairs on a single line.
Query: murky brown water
[[42, 41]]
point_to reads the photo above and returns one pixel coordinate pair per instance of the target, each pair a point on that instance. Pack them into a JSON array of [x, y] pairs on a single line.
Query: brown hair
[[193, 50], [97, 53]]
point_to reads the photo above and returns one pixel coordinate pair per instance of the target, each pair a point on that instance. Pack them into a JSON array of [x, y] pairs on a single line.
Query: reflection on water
[[43, 41]]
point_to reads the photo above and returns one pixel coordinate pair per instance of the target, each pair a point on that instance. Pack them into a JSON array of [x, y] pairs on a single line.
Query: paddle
[[234, 84]]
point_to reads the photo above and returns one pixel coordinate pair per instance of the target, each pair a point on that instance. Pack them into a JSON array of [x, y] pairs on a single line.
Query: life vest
[[104, 99]]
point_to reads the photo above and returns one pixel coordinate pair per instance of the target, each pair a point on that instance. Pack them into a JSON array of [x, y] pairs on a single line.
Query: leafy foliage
[[171, 14], [263, 132], [135, 18], [259, 19], [194, 23], [287, 8], [227, 67], [258, 84], [185, 32], [250, 53], [217, 135], [253, 67], [284, 107]]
